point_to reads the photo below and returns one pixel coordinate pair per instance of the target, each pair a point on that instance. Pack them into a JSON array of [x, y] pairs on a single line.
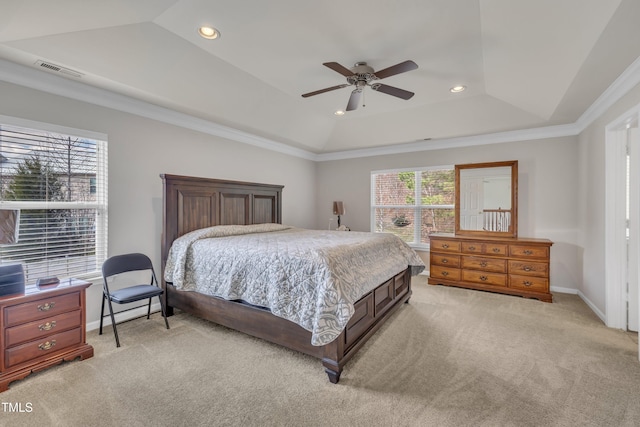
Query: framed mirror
[[486, 200]]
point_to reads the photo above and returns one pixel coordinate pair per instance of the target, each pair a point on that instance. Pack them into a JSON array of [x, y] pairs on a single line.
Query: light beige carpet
[[450, 357]]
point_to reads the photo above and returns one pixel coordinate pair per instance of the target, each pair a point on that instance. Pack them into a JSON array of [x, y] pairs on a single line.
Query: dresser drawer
[[439, 245], [529, 268], [495, 249], [483, 277], [529, 283], [484, 248], [41, 309], [471, 247], [41, 328], [521, 251], [42, 347], [444, 273], [445, 260], [484, 264]]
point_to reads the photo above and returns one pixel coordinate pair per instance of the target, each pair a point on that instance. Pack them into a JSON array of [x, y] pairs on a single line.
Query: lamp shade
[[9, 226], [338, 208]]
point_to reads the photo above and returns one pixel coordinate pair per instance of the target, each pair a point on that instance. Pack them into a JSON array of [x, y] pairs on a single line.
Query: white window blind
[[58, 182], [413, 203]]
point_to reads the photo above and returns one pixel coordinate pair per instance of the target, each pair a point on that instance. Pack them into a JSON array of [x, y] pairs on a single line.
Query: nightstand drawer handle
[[483, 264], [47, 326], [46, 307], [444, 261], [445, 246], [47, 345], [527, 283], [528, 252], [445, 273], [483, 278]]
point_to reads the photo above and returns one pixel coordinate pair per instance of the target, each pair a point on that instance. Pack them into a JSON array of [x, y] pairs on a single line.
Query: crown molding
[[619, 88], [43, 81], [465, 141]]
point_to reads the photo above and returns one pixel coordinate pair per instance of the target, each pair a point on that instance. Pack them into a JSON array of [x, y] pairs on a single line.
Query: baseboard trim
[[561, 290], [592, 306], [123, 317]]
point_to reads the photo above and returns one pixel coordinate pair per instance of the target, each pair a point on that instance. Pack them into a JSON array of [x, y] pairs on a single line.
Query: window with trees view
[[413, 203], [58, 182]]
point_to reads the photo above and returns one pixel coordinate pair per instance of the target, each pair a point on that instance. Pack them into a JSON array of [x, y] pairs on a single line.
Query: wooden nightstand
[[41, 328]]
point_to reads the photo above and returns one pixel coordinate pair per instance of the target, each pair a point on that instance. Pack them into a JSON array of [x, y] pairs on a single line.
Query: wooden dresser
[[515, 266], [40, 328]]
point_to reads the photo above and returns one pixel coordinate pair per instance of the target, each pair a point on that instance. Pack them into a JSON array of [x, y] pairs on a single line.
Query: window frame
[[101, 202], [417, 207]]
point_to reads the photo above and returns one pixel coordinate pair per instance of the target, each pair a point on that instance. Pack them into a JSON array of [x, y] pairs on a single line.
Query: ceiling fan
[[362, 75]]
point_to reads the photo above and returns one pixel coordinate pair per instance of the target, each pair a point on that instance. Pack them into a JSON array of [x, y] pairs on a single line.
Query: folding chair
[[124, 264]]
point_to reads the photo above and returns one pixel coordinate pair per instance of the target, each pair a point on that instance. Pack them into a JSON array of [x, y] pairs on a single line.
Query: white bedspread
[[310, 277]]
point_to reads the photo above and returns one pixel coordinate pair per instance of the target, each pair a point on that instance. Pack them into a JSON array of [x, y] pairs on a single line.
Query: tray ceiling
[[525, 64]]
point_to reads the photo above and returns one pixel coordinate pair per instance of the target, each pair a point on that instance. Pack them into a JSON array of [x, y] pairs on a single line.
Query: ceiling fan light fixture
[[457, 89], [339, 113], [361, 76], [208, 33]]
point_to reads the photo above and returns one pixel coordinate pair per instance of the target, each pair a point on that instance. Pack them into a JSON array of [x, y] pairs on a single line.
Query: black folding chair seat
[[135, 293]]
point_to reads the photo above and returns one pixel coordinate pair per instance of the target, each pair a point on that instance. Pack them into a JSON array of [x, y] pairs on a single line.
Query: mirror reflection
[[486, 198]]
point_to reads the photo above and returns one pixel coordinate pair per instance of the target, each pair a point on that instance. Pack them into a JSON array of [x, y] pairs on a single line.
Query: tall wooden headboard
[[190, 203]]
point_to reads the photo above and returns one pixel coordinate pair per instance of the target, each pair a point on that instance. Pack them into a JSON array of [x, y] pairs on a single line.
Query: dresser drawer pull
[[483, 264], [47, 345], [483, 278], [47, 326], [444, 261], [445, 273], [528, 252], [472, 248], [496, 250], [445, 246], [46, 307], [527, 268], [527, 283]]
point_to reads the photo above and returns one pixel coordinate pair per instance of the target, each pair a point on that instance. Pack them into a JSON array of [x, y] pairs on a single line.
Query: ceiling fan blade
[[402, 67], [394, 91], [339, 68], [354, 99], [317, 92]]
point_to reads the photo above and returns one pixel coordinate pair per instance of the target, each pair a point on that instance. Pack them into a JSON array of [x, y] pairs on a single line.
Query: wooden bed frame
[[191, 203]]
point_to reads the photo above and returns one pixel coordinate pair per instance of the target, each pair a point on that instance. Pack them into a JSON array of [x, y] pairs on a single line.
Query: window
[[413, 203], [58, 182]]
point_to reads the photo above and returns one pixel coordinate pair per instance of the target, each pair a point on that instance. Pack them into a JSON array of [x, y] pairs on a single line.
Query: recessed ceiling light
[[457, 89], [339, 113], [208, 32]]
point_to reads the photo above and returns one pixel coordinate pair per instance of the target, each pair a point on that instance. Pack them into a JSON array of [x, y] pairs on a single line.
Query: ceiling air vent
[[58, 69]]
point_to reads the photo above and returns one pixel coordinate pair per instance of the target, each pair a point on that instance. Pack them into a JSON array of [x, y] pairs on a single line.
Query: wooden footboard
[[372, 310]]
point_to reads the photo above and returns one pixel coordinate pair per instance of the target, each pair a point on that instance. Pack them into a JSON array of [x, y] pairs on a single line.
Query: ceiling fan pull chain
[[363, 105]]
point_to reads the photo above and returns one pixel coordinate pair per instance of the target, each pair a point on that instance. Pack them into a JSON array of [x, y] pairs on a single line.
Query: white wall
[[141, 149], [547, 192], [592, 149], [561, 181]]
